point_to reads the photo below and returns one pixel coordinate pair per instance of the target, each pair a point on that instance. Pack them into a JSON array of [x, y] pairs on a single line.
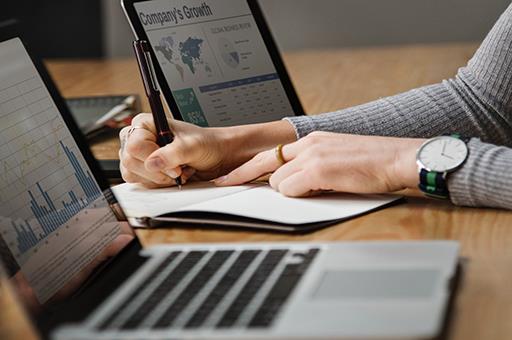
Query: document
[[254, 202]]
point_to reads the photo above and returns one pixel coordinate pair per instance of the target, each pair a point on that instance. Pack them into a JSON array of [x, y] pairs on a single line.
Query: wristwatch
[[436, 158]]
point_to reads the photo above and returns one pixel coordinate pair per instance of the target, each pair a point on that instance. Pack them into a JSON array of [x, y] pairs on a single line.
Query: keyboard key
[[250, 289], [222, 288], [105, 324], [281, 290], [168, 284], [199, 281]]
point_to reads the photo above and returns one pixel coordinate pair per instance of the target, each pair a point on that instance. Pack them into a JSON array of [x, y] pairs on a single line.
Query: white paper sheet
[[138, 201], [254, 201]]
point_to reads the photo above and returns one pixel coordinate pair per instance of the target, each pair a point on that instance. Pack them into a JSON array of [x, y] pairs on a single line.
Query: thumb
[[168, 159]]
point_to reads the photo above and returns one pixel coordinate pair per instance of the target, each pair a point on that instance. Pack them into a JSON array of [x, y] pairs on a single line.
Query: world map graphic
[[184, 55]]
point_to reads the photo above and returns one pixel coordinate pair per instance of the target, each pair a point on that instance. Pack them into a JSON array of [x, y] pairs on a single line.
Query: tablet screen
[[215, 60]]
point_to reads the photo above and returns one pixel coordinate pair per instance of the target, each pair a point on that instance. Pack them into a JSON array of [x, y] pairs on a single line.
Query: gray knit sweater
[[476, 103]]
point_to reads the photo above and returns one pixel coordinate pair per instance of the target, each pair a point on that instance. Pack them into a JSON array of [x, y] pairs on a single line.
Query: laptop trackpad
[[375, 284]]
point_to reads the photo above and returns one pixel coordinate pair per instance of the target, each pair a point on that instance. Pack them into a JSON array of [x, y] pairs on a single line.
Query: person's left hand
[[328, 161]]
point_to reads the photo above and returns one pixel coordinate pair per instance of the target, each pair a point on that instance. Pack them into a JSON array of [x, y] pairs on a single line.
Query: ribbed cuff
[[485, 179], [303, 125]]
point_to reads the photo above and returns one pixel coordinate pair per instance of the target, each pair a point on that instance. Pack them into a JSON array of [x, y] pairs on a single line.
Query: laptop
[[216, 61], [81, 273]]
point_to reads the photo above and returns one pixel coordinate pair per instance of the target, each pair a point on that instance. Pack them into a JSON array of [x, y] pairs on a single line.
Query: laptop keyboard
[[208, 292], [222, 288], [105, 324], [167, 285], [251, 287], [192, 289]]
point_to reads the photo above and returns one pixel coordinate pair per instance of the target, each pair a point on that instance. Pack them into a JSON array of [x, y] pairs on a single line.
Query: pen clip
[[152, 74], [146, 66]]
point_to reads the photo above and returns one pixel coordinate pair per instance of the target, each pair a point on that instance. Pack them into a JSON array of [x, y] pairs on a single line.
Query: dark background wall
[[95, 28], [306, 24], [59, 28], [325, 23]]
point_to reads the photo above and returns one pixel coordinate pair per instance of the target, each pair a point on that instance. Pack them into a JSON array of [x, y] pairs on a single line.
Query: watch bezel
[[421, 165]]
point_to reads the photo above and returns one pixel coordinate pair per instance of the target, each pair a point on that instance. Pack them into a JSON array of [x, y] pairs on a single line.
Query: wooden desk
[[327, 80]]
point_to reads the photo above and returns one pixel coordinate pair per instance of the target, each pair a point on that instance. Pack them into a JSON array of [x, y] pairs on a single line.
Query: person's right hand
[[205, 153], [195, 151]]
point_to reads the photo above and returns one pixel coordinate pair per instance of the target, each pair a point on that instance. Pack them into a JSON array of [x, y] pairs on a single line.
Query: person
[[370, 148]]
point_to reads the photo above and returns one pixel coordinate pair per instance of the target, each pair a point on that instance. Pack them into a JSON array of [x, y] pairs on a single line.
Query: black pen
[[164, 133]]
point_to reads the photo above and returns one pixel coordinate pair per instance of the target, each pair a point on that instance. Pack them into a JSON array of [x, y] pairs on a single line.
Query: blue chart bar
[[26, 237], [47, 214]]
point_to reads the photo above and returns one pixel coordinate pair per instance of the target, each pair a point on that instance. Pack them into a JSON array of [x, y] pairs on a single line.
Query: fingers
[[267, 162], [140, 144], [295, 185], [145, 120], [130, 177], [143, 161], [168, 159], [137, 143], [134, 171], [284, 172], [187, 174], [261, 164]]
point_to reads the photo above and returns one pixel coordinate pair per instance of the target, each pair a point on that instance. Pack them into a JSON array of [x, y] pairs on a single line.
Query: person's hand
[[328, 161], [194, 150], [205, 153]]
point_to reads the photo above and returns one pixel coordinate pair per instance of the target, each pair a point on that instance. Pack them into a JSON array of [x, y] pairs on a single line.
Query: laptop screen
[[56, 225], [215, 61]]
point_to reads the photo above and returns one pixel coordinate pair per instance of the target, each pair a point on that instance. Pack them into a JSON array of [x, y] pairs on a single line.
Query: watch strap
[[433, 184], [459, 136]]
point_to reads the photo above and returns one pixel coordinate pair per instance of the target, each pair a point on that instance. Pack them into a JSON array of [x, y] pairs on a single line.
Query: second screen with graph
[[54, 218]]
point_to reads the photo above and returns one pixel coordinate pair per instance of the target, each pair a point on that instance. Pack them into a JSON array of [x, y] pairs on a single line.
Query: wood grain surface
[[329, 80]]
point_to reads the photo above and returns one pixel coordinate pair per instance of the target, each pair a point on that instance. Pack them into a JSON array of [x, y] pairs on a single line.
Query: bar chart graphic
[[45, 183], [49, 217], [54, 218]]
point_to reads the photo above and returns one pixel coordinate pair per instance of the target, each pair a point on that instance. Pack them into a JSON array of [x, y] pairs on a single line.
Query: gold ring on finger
[[279, 154]]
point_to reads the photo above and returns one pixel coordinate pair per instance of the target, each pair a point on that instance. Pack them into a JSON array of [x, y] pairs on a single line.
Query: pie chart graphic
[[229, 55]]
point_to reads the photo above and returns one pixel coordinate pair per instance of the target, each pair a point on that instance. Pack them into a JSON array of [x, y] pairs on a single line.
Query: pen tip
[[179, 183]]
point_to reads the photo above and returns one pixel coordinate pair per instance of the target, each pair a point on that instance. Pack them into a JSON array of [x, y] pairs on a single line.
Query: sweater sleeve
[[485, 180], [476, 103]]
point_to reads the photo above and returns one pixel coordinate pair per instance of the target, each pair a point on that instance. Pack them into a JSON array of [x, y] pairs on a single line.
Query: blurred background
[[98, 28]]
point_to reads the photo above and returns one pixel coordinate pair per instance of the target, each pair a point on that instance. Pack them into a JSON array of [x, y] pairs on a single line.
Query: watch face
[[442, 154]]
